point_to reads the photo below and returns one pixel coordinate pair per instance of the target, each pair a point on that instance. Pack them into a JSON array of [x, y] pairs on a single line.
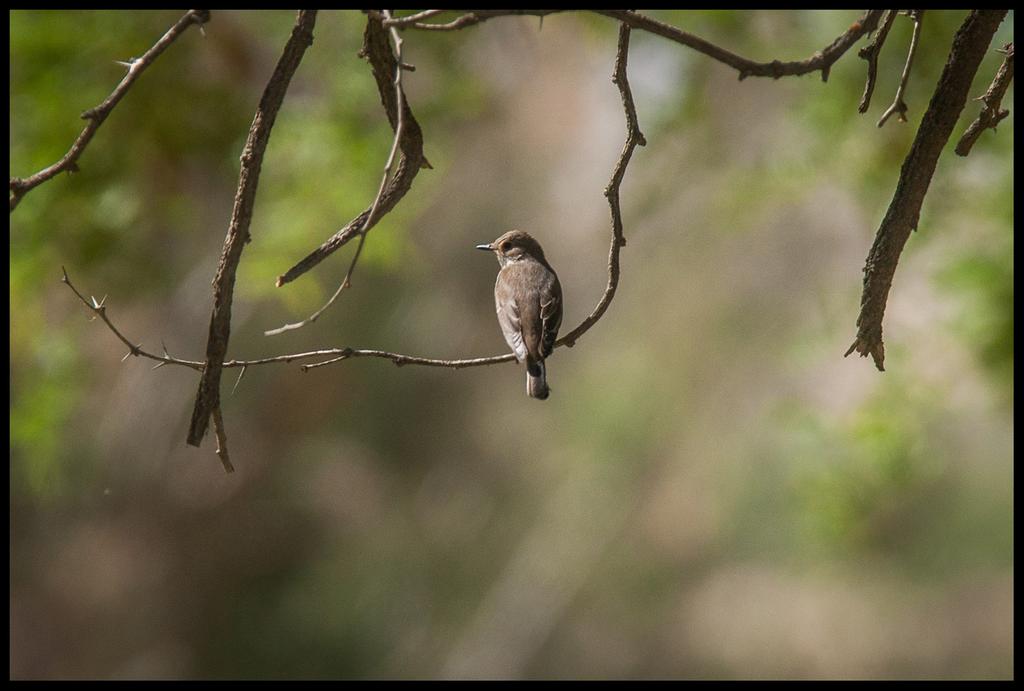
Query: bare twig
[[338, 354], [633, 139], [208, 395], [100, 310], [898, 106], [990, 115], [410, 19], [414, 21], [372, 216], [821, 61], [969, 46], [870, 53], [222, 440], [19, 187], [377, 49]]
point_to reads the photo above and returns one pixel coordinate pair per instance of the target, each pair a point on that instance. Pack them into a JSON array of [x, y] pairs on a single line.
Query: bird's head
[[513, 246]]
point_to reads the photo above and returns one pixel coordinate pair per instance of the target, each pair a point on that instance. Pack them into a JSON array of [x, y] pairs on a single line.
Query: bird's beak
[[485, 247]]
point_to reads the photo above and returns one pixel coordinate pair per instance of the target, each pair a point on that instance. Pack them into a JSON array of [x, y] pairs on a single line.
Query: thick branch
[[385, 67], [208, 396], [19, 187], [969, 46], [822, 60], [990, 115]]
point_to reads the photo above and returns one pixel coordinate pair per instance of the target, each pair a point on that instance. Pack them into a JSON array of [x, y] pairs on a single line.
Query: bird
[[528, 301]]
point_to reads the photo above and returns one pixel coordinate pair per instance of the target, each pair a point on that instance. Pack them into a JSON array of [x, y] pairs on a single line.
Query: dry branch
[[377, 50], [208, 395], [990, 115], [969, 46], [870, 53], [898, 106], [371, 218], [19, 187], [633, 139], [821, 61]]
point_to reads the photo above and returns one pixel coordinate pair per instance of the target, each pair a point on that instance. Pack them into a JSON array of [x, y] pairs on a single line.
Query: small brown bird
[[528, 300]]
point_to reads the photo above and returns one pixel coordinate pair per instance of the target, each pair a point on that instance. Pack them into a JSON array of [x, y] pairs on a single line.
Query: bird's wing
[[550, 316], [511, 328]]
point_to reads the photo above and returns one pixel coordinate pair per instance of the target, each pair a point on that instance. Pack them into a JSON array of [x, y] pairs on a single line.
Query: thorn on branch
[[97, 115], [991, 114]]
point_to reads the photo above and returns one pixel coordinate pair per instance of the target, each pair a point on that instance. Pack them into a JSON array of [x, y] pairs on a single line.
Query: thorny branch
[[372, 216], [633, 139], [870, 53], [377, 49], [820, 61], [990, 115], [947, 102], [19, 187], [208, 395], [969, 46], [100, 310], [898, 106]]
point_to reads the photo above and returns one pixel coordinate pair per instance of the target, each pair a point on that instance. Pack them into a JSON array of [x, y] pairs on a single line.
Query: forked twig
[[898, 105], [371, 218], [990, 115]]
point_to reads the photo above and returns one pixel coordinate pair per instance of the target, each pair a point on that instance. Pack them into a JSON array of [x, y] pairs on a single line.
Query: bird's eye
[[505, 247]]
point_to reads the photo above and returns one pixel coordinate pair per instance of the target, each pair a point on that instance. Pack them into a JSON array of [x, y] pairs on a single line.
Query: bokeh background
[[711, 491]]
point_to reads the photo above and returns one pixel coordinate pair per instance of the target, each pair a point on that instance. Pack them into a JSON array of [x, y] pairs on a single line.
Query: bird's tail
[[536, 380]]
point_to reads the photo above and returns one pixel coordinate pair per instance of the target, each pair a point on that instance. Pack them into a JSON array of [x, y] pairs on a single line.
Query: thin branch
[[870, 53], [372, 217], [377, 48], [208, 395], [222, 440], [100, 310], [634, 137], [19, 187], [337, 353], [990, 115], [411, 19], [469, 19], [345, 283], [821, 61], [969, 46], [898, 106]]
